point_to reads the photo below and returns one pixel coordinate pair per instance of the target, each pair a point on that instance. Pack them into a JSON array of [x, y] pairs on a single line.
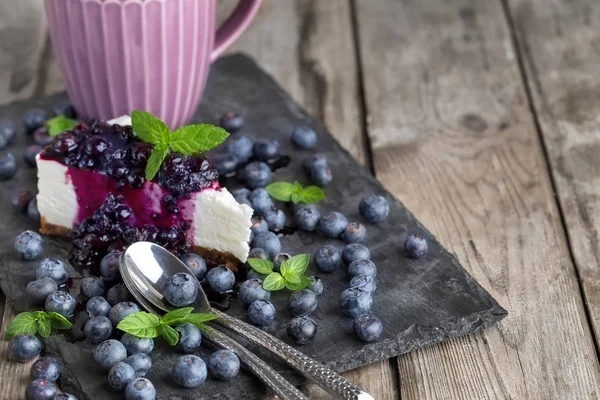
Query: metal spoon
[[148, 266], [263, 371]]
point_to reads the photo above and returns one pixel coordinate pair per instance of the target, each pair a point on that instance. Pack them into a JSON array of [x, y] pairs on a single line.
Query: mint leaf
[[297, 187], [281, 191], [312, 194], [44, 328], [176, 317], [197, 138], [141, 324], [296, 265], [60, 124], [274, 282], [149, 128], [171, 335], [155, 161], [261, 266], [57, 321], [304, 283], [288, 275], [296, 198], [22, 323], [200, 319]]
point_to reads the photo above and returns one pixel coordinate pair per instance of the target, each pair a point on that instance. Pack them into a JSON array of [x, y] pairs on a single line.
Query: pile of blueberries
[[44, 373]]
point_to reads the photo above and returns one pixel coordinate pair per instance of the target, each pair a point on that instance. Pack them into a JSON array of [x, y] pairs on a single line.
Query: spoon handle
[[263, 371], [327, 379]]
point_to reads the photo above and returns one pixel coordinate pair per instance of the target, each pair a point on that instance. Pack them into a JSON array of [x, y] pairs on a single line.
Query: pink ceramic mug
[[153, 55]]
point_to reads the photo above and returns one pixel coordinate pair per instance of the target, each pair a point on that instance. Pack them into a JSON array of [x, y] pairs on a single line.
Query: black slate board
[[420, 302]]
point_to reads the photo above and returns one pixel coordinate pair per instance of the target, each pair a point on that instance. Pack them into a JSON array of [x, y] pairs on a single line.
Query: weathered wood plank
[[453, 137], [558, 42]]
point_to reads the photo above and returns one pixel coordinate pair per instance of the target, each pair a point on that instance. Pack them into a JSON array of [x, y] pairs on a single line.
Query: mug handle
[[233, 27]]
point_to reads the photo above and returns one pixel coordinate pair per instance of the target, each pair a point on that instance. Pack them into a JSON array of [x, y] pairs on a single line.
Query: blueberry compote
[[109, 228]]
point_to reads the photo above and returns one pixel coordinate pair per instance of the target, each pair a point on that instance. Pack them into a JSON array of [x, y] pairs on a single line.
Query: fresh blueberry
[[92, 286], [180, 289], [121, 310], [20, 200], [261, 201], [8, 130], [312, 161], [97, 306], [52, 268], [269, 242], [279, 259], [232, 122], [65, 396], [62, 303], [362, 267], [321, 175], [374, 208], [29, 245], [355, 232], [98, 329], [354, 302], [415, 246], [299, 206], [108, 353], [275, 219], [31, 152], [355, 251], [224, 365], [118, 294], [32, 210], [140, 362], [121, 375], [333, 224], [41, 389], [364, 282], [257, 252], [8, 166], [327, 258], [304, 137], [252, 274], [3, 142], [259, 225], [109, 266], [190, 338], [266, 149], [140, 389], [189, 371], [196, 264], [220, 279], [45, 368], [64, 108], [243, 200], [41, 137], [40, 289], [24, 347], [261, 312], [135, 345], [240, 146], [302, 302], [302, 329], [241, 192], [34, 119], [252, 290], [307, 219], [316, 285], [257, 174], [225, 163], [367, 327]]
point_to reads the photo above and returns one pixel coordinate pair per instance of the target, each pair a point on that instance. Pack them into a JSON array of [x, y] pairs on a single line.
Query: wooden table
[[483, 117]]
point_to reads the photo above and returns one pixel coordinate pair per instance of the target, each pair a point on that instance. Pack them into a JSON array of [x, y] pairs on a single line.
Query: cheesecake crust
[[50, 229]]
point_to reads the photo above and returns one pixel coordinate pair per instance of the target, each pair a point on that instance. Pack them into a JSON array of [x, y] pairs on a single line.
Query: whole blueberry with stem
[[232, 122], [266, 149], [302, 329], [220, 279], [355, 232], [354, 302], [29, 245], [259, 225], [312, 161], [240, 146], [52, 268], [269, 242], [97, 306], [120, 375], [224, 365], [316, 285], [261, 202], [196, 264], [135, 345], [415, 246], [304, 137], [109, 266], [41, 389], [24, 347], [140, 389], [364, 282], [279, 259], [98, 329], [92, 286], [374, 208], [321, 175], [108, 353], [118, 294], [302, 302], [275, 219], [307, 219], [46, 368], [355, 251], [257, 174], [261, 312], [252, 290], [62, 303], [225, 163], [332, 224], [189, 371], [367, 327], [362, 267], [327, 258], [180, 289], [140, 362], [40, 289], [121, 311], [190, 338]]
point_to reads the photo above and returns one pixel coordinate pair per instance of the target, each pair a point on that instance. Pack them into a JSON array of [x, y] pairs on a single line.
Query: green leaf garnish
[[176, 317], [200, 319], [60, 124], [187, 140], [304, 283], [286, 191], [297, 265], [171, 335], [36, 322], [261, 266], [140, 324], [274, 282]]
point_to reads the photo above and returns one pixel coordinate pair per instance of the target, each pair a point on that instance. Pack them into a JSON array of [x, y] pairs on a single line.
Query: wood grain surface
[[453, 137]]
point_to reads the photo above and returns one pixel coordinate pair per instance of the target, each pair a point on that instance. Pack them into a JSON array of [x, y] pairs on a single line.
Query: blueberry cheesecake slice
[[92, 183]]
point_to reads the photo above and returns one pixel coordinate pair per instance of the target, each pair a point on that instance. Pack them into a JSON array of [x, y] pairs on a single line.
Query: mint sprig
[[147, 325], [294, 192], [36, 322], [60, 124], [290, 275], [187, 140]]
